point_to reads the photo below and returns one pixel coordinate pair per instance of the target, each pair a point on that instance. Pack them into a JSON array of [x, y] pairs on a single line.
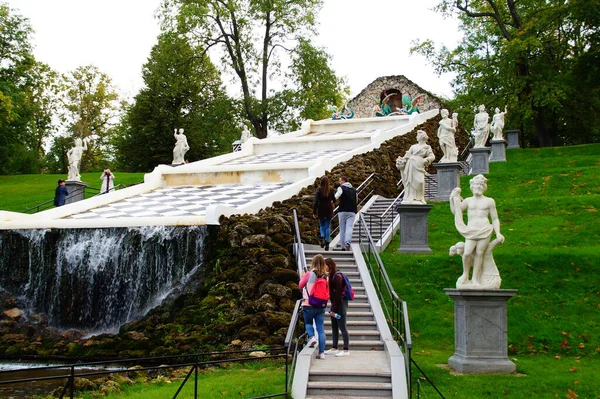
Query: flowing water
[[97, 279]]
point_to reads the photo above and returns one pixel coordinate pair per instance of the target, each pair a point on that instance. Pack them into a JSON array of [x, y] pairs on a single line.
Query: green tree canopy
[[182, 90], [253, 39], [538, 57]]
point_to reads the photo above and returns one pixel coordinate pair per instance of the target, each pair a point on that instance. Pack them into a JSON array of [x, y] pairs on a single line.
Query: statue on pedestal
[[412, 167], [445, 135], [497, 125], [246, 134], [181, 147], [482, 127], [74, 156], [476, 251]]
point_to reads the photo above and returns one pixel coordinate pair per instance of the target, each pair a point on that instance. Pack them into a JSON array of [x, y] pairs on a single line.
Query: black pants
[[338, 325]]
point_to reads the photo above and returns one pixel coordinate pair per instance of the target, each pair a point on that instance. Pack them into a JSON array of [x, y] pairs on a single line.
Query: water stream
[[97, 279]]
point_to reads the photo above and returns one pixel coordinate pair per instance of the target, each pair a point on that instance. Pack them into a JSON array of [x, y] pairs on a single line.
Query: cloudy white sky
[[366, 40]]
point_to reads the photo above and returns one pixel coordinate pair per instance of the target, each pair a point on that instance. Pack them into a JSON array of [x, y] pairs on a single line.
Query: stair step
[[361, 345], [370, 389], [355, 323], [359, 335], [342, 376]]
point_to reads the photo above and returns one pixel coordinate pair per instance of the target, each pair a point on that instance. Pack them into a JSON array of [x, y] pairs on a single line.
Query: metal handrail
[[194, 363], [289, 339], [299, 247], [394, 307]]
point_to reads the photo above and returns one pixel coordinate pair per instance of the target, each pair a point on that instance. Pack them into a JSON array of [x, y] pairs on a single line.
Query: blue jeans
[[346, 225], [318, 316], [324, 226]]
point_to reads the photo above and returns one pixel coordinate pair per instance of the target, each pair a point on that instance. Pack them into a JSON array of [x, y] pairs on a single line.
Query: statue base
[[76, 191], [448, 178], [480, 331], [513, 138], [414, 229], [480, 164], [498, 150]]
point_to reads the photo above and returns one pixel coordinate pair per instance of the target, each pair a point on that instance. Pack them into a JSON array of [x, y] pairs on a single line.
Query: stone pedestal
[[414, 229], [480, 330], [513, 138], [448, 178], [76, 191], [480, 163], [498, 150]]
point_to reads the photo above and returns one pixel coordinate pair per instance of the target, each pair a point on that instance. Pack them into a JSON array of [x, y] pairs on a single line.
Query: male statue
[[481, 126], [74, 156], [477, 249]]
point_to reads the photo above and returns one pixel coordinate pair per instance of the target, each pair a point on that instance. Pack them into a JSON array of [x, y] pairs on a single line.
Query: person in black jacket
[[323, 210], [60, 194], [339, 305], [346, 211]]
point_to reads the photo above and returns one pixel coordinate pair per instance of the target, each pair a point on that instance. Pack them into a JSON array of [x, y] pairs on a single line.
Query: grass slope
[[547, 201], [20, 192]]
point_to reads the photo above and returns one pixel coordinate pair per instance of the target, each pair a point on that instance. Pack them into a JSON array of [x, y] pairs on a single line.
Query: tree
[[525, 54], [182, 91], [15, 61], [91, 110], [253, 39]]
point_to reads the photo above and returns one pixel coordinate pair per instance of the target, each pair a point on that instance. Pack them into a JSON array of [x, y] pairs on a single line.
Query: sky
[[366, 40]]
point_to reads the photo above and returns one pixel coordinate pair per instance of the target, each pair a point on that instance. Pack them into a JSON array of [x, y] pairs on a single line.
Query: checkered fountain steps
[[181, 201], [366, 372]]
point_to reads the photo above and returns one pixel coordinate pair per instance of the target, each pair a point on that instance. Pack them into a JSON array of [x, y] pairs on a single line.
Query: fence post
[[72, 381], [196, 378]]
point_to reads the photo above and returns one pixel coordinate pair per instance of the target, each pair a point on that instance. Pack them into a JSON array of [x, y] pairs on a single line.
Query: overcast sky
[[365, 39]]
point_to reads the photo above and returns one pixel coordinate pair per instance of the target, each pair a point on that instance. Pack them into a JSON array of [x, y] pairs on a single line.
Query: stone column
[[498, 150], [414, 229], [480, 163], [76, 191], [448, 178], [480, 331], [513, 138]]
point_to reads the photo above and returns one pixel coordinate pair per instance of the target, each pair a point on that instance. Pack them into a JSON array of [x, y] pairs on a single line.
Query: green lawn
[[547, 201], [21, 192]]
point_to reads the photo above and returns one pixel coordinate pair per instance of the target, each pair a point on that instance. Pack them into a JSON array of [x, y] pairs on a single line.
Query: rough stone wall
[[363, 103]]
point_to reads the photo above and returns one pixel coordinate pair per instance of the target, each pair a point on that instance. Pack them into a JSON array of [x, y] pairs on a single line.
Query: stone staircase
[[366, 372], [377, 226]]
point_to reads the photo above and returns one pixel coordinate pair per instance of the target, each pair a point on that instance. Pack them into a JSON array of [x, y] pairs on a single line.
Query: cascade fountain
[[97, 279]]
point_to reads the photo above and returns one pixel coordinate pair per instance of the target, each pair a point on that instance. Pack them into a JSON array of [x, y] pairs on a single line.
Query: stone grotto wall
[[363, 103]]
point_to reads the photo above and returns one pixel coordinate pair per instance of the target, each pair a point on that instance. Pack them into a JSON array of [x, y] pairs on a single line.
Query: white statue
[[108, 184], [445, 135], [482, 127], [477, 249], [246, 134], [497, 125], [74, 156], [181, 147], [412, 166]]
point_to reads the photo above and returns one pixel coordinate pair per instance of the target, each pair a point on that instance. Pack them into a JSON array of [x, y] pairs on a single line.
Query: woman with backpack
[[323, 210], [314, 313], [339, 306]]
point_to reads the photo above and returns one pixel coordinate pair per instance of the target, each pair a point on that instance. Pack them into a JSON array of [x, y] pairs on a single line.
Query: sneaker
[[343, 353], [321, 356], [331, 351], [347, 247], [312, 342]]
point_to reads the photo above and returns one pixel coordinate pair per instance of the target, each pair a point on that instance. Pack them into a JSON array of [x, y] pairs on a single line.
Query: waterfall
[[97, 279]]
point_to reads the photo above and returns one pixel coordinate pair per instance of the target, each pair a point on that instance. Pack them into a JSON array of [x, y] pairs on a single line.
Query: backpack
[[348, 290], [319, 296]]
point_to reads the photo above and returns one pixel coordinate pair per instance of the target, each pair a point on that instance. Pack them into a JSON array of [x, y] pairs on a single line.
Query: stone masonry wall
[[363, 103]]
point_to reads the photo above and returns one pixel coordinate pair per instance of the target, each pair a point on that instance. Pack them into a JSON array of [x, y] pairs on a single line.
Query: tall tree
[[15, 62], [91, 110], [181, 91], [524, 54], [253, 38]]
